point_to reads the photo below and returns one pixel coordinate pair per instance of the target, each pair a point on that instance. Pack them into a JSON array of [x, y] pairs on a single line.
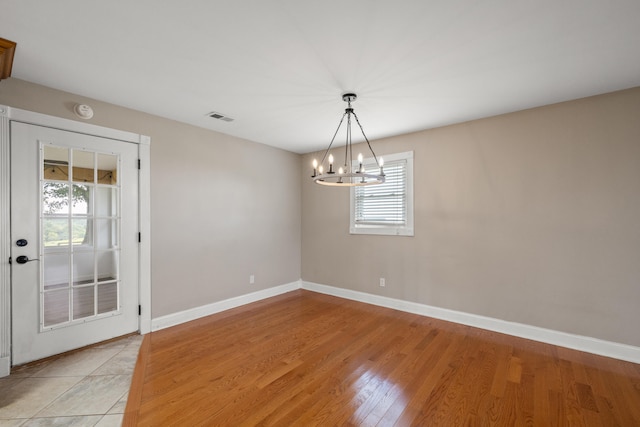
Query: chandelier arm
[[366, 139], [333, 139]]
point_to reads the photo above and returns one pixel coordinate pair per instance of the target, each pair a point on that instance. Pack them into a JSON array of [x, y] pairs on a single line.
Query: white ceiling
[[279, 67]]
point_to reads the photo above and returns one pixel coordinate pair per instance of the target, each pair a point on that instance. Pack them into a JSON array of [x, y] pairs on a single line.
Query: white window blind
[[384, 204], [385, 208]]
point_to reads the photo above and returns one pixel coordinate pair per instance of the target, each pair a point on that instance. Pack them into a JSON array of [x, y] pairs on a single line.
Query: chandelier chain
[[365, 138], [333, 139]]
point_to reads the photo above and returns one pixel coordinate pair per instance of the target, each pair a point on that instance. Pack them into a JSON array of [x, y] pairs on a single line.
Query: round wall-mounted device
[[83, 111]]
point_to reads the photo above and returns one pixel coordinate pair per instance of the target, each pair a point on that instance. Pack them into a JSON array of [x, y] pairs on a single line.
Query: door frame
[[9, 114]]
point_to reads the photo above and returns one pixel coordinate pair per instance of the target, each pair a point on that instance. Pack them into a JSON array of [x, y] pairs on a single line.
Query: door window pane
[[106, 233], [81, 199], [55, 198], [55, 232], [106, 202], [83, 302], [81, 231], [107, 265], [56, 270], [107, 297], [55, 165], [56, 307], [83, 267], [107, 169], [83, 170]]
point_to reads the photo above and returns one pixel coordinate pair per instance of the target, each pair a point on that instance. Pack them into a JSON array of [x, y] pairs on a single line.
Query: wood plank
[[7, 51], [135, 391], [309, 359]]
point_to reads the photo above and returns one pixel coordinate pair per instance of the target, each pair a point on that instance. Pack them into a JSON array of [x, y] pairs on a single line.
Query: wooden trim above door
[[7, 50]]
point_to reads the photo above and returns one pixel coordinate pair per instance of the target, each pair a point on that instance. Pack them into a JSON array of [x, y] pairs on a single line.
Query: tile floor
[[86, 388]]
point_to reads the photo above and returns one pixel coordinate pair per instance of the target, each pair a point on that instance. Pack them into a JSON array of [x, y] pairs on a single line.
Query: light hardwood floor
[[307, 359]]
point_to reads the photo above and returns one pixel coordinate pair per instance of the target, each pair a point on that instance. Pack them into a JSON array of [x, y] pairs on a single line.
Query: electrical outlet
[[383, 283], [252, 279]]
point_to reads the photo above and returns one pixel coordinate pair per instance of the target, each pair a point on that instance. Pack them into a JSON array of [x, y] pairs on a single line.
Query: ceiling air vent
[[219, 116]]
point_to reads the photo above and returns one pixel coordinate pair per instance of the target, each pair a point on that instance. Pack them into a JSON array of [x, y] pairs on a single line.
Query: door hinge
[[139, 237], [139, 310], [138, 163]]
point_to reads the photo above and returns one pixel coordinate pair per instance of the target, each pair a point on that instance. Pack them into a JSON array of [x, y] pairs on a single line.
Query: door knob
[[23, 259]]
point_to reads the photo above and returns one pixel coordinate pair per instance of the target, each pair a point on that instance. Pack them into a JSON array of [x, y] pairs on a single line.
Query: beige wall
[[529, 217], [214, 220], [532, 217]]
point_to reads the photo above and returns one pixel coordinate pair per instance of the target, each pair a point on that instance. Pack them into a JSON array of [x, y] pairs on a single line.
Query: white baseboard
[[563, 339], [5, 366], [549, 336], [216, 307]]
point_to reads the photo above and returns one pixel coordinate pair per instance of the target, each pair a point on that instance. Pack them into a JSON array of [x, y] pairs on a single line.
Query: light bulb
[[320, 169], [381, 162], [330, 159], [360, 158], [315, 163], [340, 171]]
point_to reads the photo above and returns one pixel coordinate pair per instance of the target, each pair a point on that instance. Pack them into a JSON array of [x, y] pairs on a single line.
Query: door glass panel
[[83, 302], [55, 232], [106, 233], [106, 202], [82, 268], [81, 231], [56, 307], [107, 169], [55, 166], [107, 268], [56, 271], [83, 170], [80, 227], [107, 297], [81, 199], [55, 198]]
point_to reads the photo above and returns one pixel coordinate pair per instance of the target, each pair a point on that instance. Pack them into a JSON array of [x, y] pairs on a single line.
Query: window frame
[[386, 229]]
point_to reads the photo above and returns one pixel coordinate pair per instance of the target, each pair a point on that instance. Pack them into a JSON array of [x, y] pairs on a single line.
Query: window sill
[[382, 230]]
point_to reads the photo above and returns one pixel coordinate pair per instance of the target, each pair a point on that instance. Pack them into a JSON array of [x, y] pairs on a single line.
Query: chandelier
[[347, 175]]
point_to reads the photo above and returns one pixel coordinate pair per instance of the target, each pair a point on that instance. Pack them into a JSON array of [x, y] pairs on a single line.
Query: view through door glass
[[80, 208]]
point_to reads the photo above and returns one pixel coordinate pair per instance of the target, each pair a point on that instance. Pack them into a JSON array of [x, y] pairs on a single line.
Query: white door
[[74, 232]]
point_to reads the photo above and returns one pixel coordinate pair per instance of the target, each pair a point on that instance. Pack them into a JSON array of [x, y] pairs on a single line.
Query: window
[[385, 208], [80, 223]]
